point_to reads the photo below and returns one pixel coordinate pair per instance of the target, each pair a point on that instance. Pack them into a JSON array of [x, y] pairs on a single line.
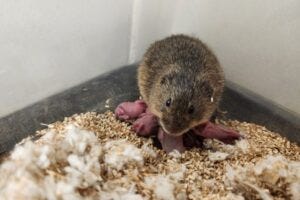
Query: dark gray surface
[[120, 85], [244, 105]]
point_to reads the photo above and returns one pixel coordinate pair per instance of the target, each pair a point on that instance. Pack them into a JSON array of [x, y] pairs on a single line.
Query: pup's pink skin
[[219, 132], [130, 110], [169, 143], [146, 124]]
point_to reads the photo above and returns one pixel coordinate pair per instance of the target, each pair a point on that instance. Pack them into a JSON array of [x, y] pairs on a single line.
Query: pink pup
[[146, 124]]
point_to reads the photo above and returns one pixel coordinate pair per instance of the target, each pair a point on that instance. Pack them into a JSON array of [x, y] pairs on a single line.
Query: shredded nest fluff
[[94, 156]]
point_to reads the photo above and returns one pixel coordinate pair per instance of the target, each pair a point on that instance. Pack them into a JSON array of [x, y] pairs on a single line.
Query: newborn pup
[[146, 124], [130, 110], [210, 130]]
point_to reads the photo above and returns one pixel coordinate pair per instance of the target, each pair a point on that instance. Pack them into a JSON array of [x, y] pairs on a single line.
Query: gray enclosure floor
[[120, 85]]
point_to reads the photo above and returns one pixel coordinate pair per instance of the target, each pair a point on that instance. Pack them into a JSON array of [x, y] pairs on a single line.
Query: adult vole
[[181, 81]]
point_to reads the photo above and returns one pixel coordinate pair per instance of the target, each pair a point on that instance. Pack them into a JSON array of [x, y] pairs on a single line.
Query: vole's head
[[182, 101]]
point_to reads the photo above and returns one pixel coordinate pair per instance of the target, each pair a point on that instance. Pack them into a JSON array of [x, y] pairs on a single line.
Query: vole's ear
[[163, 80], [169, 74], [207, 89], [166, 79]]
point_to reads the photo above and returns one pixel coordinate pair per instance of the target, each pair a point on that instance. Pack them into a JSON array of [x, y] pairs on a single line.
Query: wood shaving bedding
[[94, 156]]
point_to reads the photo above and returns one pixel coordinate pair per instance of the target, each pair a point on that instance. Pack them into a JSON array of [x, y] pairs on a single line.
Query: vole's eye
[[168, 102], [163, 80], [191, 109]]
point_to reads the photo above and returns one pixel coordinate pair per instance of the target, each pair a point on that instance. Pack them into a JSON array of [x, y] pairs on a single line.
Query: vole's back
[[181, 53]]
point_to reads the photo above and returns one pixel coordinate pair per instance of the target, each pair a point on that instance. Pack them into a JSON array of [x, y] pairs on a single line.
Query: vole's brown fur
[[181, 81]]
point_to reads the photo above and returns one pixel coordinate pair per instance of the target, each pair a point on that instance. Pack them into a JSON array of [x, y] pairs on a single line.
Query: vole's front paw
[[130, 110]]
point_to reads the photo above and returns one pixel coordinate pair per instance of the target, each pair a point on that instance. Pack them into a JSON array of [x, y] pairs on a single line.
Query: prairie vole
[[181, 81]]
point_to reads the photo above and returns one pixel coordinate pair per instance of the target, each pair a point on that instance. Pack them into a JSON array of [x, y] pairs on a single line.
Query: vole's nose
[[173, 127]]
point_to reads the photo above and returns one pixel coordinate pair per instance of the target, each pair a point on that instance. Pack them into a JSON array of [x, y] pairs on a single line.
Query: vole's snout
[[173, 126]]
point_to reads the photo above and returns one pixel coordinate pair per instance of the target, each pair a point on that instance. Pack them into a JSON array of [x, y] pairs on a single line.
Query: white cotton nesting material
[[265, 175], [220, 151], [295, 190], [119, 153], [77, 139], [25, 175], [120, 193], [162, 186], [95, 156], [240, 146], [217, 156], [82, 159]]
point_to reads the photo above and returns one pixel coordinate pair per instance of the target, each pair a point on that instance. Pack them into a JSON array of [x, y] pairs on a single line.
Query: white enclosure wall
[[257, 42], [49, 46]]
